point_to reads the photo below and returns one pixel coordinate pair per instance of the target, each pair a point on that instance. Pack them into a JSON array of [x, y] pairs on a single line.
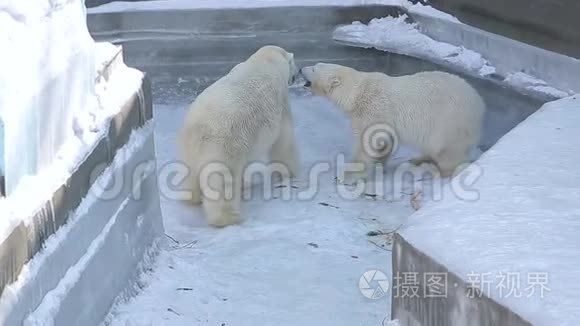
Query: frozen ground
[[291, 262]]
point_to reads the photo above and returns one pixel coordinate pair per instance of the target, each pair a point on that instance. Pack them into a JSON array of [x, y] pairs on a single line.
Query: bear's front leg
[[284, 149], [221, 185], [360, 165]]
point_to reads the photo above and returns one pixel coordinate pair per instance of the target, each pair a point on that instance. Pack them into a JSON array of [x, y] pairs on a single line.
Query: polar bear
[[242, 116], [435, 112]]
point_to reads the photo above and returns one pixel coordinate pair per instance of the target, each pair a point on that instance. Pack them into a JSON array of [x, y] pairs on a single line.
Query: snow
[[290, 262], [529, 82], [47, 52], [429, 11], [526, 221], [397, 35], [93, 123]]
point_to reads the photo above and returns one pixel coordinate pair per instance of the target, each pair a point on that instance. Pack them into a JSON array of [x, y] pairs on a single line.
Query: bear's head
[[278, 55], [326, 79]]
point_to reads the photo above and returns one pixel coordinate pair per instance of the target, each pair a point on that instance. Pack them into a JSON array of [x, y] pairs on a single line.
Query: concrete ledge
[[428, 308], [525, 223]]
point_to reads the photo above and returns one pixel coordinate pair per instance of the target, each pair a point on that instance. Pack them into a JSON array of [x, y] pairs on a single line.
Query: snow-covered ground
[[291, 262]]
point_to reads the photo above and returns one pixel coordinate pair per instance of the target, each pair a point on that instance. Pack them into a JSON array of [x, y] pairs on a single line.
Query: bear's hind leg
[[195, 195], [187, 161], [222, 193], [451, 161]]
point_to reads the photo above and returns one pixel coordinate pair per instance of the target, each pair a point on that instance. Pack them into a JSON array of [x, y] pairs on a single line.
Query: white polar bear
[[242, 116], [438, 113]]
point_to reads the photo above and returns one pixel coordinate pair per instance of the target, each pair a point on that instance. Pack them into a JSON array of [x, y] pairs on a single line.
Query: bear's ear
[[333, 82]]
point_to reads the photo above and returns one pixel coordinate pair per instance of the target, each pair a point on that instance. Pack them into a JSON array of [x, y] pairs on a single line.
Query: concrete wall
[[549, 24]]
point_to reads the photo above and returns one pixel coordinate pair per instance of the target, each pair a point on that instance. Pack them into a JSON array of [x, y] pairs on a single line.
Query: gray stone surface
[[446, 308], [549, 24], [507, 55]]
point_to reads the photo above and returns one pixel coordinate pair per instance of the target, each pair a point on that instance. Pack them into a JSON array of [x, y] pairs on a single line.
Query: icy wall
[[47, 76]]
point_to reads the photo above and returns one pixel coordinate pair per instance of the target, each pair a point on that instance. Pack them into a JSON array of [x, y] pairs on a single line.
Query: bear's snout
[[307, 83]]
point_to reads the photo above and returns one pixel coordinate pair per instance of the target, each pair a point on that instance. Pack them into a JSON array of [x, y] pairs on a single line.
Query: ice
[[110, 95], [290, 262], [47, 76], [47, 267], [397, 35], [526, 220]]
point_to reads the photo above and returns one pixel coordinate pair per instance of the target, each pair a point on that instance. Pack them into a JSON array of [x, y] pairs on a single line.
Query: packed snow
[[398, 35], [526, 221]]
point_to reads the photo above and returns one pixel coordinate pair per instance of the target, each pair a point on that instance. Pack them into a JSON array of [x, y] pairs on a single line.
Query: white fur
[[438, 113], [242, 116]]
